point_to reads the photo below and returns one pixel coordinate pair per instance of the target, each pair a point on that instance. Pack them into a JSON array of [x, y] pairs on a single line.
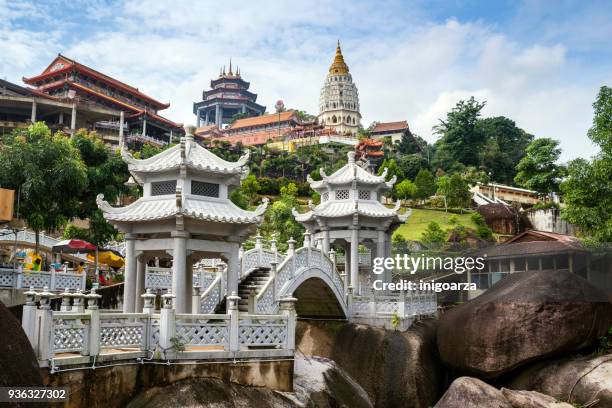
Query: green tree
[[587, 191], [539, 170], [460, 135], [458, 192], [106, 174], [405, 189], [425, 183], [48, 174], [392, 169], [434, 234], [250, 187], [410, 164]]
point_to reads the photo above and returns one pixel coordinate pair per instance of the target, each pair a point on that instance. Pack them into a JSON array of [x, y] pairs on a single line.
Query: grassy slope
[[417, 223]]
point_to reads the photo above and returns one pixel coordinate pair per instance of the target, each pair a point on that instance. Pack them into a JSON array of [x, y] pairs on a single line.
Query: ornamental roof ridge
[[188, 153], [351, 172]]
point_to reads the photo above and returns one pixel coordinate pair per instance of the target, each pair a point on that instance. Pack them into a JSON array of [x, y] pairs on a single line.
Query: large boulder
[[584, 380], [523, 318], [396, 369], [318, 382], [18, 363], [469, 392]]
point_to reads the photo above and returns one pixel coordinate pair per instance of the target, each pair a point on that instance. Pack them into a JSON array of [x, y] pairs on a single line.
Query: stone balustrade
[[20, 279], [81, 332]]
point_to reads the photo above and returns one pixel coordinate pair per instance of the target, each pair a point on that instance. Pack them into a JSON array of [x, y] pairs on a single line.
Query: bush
[[453, 219], [434, 234]]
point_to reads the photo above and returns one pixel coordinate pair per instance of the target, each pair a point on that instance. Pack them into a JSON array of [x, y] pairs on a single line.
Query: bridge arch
[[316, 293]]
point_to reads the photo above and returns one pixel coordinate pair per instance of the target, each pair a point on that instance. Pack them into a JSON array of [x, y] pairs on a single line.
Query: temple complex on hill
[[122, 110], [339, 100], [229, 96], [394, 130]]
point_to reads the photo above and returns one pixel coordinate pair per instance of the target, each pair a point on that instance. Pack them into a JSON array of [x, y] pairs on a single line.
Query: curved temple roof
[[351, 172], [336, 209], [165, 207], [190, 154]]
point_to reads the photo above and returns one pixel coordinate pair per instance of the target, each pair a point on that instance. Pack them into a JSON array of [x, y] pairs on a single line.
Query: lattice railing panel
[[212, 296], [37, 279], [69, 334], [263, 332], [154, 280], [203, 331], [8, 278], [64, 280]]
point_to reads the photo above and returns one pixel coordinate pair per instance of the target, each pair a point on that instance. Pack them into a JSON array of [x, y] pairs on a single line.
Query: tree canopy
[[539, 169]]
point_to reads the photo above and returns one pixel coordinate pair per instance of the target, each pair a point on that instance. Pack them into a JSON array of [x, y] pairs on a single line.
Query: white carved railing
[[364, 258], [161, 278], [403, 305], [92, 332], [257, 258], [39, 279], [213, 294]]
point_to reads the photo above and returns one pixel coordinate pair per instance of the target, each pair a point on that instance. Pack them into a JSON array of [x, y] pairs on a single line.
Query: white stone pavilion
[[185, 212], [351, 213]]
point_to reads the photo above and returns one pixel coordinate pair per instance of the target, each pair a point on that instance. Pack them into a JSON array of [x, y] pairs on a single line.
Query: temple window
[[364, 194], [325, 196], [163, 187], [334, 120], [202, 188], [353, 121], [342, 194]]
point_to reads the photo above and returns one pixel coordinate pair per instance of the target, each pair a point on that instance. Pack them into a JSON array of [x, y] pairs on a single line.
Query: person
[[36, 265], [80, 268], [102, 279]]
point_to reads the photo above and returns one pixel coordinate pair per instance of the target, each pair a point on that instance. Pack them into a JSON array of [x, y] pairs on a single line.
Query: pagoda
[[228, 96], [185, 212], [339, 100], [351, 213]]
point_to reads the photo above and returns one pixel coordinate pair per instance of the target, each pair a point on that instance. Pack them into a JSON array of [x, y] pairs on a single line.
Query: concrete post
[[380, 252], [73, 120], [144, 126], [401, 305], [274, 249], [234, 332], [307, 239], [167, 322], [140, 282], [198, 118], [121, 137], [66, 296], [287, 308], [291, 249], [129, 285], [94, 323], [233, 270], [326, 240], [28, 316], [61, 118], [195, 300], [77, 302], [354, 256], [188, 283], [33, 116], [273, 266], [218, 116], [349, 302], [52, 280], [44, 332], [180, 279], [147, 308]]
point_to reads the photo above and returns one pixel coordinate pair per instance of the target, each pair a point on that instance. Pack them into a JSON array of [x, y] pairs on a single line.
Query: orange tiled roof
[[390, 126], [262, 120]]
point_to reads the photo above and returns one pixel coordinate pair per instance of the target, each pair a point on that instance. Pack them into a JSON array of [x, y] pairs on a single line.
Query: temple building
[[339, 100], [185, 213], [229, 96], [137, 118], [394, 130], [351, 214]]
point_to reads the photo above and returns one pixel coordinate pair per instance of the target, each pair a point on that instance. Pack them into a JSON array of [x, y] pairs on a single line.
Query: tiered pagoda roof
[[187, 161], [351, 190]]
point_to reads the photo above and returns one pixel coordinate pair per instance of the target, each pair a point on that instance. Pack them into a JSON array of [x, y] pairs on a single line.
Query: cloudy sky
[[537, 62]]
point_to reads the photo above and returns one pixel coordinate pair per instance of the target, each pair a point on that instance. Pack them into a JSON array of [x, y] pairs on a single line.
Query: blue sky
[[537, 62]]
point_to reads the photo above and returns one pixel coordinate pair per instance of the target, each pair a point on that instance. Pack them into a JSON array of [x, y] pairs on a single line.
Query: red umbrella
[[74, 246]]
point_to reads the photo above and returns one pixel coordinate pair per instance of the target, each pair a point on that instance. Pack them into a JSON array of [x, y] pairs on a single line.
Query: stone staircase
[[251, 284]]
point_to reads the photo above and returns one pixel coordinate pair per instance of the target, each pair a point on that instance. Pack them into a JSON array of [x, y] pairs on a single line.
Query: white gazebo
[[184, 213], [351, 213]]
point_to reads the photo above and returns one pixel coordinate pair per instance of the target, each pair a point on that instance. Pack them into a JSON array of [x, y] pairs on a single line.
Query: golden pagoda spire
[[338, 67]]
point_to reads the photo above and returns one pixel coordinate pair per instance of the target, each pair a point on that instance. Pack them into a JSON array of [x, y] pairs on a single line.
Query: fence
[[11, 278], [161, 278], [83, 330]]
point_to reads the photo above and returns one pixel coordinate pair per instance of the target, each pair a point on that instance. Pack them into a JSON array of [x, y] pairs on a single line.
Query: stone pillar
[[73, 120], [167, 322], [144, 126], [61, 118], [217, 115], [129, 285], [355, 257], [33, 117], [179, 272], [94, 323], [287, 308], [233, 270], [243, 108], [198, 118], [234, 332], [189, 283], [141, 268], [28, 316], [206, 121], [326, 241], [121, 121], [44, 330], [195, 300], [381, 252]]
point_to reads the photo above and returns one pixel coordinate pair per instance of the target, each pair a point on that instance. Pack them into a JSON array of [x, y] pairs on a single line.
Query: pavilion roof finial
[[230, 67]]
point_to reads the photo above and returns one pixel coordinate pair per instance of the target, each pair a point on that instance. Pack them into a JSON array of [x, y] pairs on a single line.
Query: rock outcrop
[[18, 363], [524, 318], [469, 392], [586, 380], [318, 383], [396, 369]]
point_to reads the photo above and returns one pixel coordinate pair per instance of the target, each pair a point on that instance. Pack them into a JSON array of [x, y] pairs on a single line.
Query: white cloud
[[405, 66]]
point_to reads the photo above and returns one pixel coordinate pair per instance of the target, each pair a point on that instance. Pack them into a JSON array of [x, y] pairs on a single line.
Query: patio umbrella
[[108, 257], [74, 246]]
